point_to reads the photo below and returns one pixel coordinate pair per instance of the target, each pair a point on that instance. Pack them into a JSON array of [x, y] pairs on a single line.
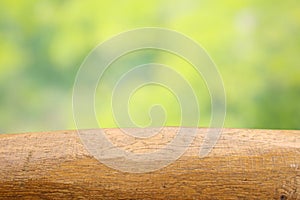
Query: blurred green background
[[255, 44]]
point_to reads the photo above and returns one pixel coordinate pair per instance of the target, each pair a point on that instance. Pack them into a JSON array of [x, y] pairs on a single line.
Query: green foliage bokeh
[[255, 45]]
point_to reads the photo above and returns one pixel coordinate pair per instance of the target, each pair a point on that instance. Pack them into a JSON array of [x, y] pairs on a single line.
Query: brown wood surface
[[245, 164]]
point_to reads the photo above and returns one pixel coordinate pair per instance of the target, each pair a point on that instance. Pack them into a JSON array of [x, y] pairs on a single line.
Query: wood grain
[[245, 164]]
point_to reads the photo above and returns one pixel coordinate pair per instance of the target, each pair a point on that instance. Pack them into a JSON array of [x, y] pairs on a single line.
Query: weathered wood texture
[[245, 164]]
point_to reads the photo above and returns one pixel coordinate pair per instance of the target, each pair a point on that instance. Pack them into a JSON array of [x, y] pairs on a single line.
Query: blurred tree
[[255, 45]]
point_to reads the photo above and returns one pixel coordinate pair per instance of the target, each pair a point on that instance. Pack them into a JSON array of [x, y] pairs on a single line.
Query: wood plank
[[245, 164]]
